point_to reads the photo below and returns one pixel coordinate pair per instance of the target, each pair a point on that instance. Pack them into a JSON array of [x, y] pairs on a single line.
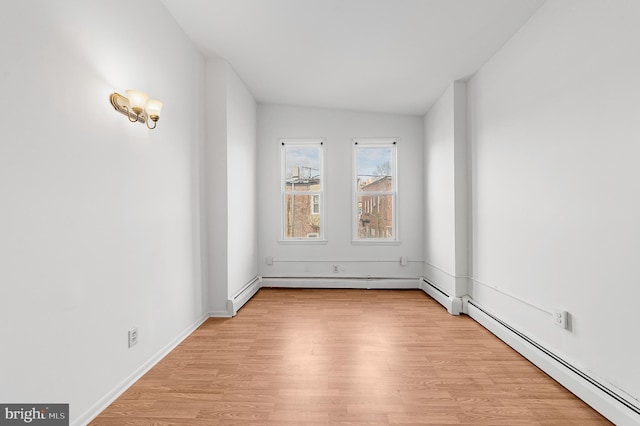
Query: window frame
[[303, 143], [358, 143]]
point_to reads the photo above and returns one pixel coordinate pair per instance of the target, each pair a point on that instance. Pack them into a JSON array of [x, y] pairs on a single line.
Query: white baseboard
[[343, 283], [105, 401], [602, 399], [453, 305], [221, 314]]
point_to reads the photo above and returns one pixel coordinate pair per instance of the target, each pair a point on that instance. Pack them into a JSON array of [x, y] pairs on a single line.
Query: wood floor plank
[[345, 357]]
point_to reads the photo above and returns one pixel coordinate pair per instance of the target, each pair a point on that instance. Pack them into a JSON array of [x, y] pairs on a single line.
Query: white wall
[[242, 180], [446, 192], [99, 217], [230, 185], [553, 125], [338, 127], [216, 213], [440, 184]]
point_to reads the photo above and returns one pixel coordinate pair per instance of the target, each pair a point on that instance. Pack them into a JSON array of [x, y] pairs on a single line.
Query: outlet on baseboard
[[133, 336], [560, 318]]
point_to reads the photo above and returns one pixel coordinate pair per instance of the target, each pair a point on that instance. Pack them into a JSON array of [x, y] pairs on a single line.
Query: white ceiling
[[394, 56]]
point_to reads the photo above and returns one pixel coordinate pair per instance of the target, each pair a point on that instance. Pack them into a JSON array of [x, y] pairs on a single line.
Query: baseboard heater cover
[[243, 296], [603, 399], [342, 282], [453, 305]]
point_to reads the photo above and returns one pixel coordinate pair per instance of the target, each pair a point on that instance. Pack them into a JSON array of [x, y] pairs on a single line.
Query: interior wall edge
[[455, 285]]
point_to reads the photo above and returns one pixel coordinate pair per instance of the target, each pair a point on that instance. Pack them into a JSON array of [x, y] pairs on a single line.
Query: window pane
[[375, 216], [375, 168], [302, 169], [300, 220], [315, 204]]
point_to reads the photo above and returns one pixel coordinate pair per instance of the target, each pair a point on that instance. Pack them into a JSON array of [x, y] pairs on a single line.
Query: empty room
[[320, 212]]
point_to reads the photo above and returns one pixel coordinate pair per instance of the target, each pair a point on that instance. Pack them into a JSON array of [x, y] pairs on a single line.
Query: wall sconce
[[138, 107]]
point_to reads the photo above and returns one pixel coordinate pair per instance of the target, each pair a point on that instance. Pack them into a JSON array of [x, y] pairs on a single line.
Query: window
[[315, 204], [375, 193], [302, 190]]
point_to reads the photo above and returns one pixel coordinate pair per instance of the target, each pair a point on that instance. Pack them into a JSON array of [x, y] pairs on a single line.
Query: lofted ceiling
[[395, 56]]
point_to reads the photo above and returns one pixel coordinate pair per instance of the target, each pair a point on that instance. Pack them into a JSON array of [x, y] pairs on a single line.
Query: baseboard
[[453, 305], [221, 314], [111, 396], [244, 295], [342, 283], [600, 397]]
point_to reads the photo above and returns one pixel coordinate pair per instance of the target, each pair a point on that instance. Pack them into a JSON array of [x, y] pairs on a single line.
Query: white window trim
[[374, 142], [303, 142]]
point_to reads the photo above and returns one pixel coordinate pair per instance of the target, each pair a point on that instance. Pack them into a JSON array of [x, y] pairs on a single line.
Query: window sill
[[303, 241], [375, 242]]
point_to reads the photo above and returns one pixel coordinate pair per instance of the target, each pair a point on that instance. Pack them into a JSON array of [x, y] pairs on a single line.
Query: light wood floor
[[345, 357]]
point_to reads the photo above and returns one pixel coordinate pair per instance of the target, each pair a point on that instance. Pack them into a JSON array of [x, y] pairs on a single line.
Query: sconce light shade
[[137, 100], [153, 112], [153, 108]]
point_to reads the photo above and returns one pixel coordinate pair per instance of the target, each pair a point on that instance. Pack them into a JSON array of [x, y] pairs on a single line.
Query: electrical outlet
[[403, 260], [560, 318], [133, 337], [336, 268], [269, 260]]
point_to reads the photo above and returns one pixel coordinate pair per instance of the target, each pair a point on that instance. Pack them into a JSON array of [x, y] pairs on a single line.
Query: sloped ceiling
[[395, 56]]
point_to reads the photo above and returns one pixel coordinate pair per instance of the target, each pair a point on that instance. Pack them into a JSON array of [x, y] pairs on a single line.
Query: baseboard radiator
[[251, 288], [610, 404], [340, 282], [243, 296], [602, 398], [454, 305]]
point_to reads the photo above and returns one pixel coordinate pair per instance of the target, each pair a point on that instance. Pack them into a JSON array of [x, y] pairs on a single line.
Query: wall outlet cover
[[560, 318], [133, 337]]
